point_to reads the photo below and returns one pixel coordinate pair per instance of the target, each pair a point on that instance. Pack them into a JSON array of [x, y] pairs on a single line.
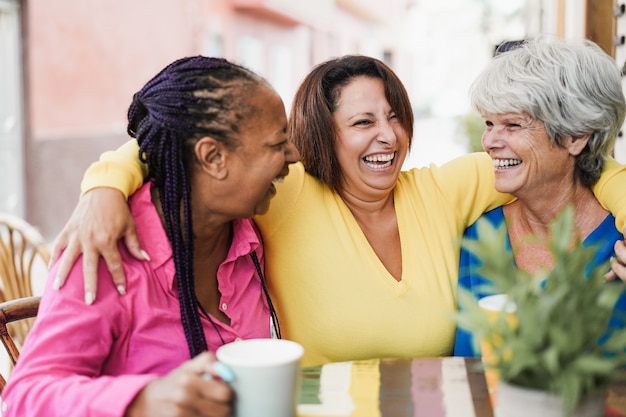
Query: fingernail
[[224, 372], [121, 289], [145, 255], [57, 283], [89, 297]]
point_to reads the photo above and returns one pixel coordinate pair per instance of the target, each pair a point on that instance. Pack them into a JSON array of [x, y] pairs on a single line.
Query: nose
[[491, 138], [387, 134], [292, 154]]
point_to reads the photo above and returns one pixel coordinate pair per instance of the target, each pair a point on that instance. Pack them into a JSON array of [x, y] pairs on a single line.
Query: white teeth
[[279, 180], [504, 163], [379, 158], [379, 161]]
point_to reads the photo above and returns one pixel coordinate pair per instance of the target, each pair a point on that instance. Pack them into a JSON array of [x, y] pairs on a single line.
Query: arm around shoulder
[[120, 169], [469, 183], [610, 190]]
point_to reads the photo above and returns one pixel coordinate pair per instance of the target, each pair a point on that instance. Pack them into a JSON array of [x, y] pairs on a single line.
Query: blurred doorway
[[11, 118]]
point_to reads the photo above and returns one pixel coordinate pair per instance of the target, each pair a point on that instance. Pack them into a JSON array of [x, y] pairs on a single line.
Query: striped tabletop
[[424, 387]]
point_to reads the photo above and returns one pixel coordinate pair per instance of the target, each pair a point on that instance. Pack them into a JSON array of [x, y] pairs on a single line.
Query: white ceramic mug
[[266, 376]]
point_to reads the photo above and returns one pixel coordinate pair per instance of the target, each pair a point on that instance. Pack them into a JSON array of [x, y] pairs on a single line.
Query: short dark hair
[[311, 125]]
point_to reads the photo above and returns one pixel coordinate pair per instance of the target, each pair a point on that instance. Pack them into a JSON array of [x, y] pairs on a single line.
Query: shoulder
[[603, 239], [459, 170], [73, 291], [299, 190], [495, 218]]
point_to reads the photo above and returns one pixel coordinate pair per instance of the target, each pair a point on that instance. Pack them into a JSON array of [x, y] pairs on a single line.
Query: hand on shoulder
[[100, 219]]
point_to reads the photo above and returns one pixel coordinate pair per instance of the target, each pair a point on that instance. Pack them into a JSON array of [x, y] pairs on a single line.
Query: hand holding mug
[[185, 392]]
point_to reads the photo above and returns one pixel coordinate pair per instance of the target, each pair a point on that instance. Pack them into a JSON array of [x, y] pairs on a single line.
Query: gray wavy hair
[[573, 87]]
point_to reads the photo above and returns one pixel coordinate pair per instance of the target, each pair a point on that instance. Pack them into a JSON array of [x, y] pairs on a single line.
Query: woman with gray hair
[[552, 111], [361, 257]]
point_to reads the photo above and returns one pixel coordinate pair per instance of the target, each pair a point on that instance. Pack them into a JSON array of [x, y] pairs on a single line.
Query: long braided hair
[[189, 99]]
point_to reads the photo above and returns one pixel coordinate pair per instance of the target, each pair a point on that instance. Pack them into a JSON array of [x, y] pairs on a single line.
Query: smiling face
[[238, 181], [264, 154], [527, 163], [371, 144]]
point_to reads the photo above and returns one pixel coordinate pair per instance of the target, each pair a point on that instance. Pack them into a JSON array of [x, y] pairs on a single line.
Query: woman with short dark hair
[[362, 257]]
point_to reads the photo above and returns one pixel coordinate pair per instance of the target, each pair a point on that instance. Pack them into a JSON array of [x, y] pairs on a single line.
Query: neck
[[533, 215], [212, 235], [210, 240], [364, 207], [379, 224]]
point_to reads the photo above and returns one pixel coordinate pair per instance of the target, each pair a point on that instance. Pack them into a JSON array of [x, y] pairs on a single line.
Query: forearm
[[44, 394], [120, 169], [469, 184], [610, 190]]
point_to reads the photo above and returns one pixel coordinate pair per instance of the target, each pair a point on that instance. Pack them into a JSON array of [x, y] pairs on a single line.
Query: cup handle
[[224, 372]]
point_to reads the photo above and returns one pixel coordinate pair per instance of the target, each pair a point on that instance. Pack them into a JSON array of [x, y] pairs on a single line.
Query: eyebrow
[[280, 133], [507, 117], [361, 114]]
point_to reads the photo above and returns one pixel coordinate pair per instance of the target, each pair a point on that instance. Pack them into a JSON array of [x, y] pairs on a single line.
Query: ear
[[212, 157], [576, 145]]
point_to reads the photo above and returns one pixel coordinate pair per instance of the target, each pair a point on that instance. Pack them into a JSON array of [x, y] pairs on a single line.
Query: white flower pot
[[515, 401]]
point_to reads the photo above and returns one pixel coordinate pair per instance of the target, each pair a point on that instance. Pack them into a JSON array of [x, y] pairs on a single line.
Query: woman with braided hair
[[362, 257], [213, 136]]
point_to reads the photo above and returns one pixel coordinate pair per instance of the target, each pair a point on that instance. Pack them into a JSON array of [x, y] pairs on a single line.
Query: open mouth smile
[[505, 163], [379, 161]]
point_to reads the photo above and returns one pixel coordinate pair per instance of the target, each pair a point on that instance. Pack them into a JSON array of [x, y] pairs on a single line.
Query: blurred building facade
[[68, 69], [456, 53]]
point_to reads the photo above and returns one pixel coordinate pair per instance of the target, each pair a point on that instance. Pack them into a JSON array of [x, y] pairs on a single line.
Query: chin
[[504, 188], [262, 208]]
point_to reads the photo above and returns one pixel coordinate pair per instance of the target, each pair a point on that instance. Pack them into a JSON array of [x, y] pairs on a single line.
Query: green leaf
[[561, 341], [570, 391]]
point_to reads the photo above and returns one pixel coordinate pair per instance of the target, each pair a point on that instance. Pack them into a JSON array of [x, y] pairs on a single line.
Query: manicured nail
[[89, 298], [57, 283], [121, 289], [224, 372], [145, 255]]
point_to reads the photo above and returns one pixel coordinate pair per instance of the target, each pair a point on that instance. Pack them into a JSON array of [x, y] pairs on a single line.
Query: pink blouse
[[82, 360]]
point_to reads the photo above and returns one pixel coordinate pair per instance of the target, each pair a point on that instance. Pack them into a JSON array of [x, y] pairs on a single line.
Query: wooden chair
[[23, 253], [15, 313]]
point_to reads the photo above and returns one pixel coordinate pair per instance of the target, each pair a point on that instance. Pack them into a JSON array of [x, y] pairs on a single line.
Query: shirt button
[[224, 306]]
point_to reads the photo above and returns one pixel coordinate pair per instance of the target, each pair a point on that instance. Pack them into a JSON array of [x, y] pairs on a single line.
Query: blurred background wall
[[68, 68]]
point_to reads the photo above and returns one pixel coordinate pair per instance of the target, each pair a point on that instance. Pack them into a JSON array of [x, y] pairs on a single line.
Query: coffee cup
[[266, 376]]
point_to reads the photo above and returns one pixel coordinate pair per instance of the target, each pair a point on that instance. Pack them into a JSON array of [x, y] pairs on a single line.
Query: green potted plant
[[560, 346], [473, 126]]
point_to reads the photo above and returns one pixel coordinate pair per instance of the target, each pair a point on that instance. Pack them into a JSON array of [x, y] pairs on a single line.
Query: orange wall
[[87, 58]]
